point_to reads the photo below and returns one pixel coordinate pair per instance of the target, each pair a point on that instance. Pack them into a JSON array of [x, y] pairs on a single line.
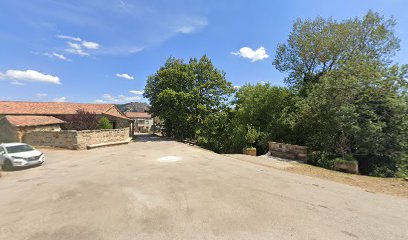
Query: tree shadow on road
[[150, 138]]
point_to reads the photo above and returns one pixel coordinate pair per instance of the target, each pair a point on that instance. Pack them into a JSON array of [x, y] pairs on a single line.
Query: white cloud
[[124, 75], [77, 44], [191, 25], [69, 38], [257, 55], [237, 87], [56, 55], [17, 83], [29, 76], [262, 82], [60, 99], [74, 45], [137, 92], [76, 48], [117, 99], [90, 45], [41, 95]]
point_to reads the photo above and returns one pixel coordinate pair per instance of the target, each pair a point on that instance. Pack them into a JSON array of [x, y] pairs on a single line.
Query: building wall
[[49, 128], [8, 133], [145, 126], [119, 122], [75, 140]]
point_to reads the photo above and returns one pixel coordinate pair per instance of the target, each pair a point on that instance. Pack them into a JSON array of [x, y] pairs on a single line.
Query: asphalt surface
[[156, 189]]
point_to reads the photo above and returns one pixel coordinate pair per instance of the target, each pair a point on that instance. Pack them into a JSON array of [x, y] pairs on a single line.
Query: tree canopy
[[315, 47], [183, 95]]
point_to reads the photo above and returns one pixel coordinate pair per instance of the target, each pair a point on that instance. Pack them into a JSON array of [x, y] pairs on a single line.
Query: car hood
[[28, 154]]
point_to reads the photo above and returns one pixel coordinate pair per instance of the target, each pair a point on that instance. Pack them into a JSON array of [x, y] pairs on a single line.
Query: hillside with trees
[[345, 98], [134, 107]]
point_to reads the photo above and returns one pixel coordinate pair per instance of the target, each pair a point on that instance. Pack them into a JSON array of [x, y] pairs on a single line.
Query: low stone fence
[[75, 140], [288, 151]]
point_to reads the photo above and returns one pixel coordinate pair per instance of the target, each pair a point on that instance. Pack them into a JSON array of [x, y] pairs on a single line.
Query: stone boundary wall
[[288, 151], [75, 140]]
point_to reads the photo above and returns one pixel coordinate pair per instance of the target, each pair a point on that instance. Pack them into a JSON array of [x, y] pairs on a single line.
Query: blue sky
[[103, 51]]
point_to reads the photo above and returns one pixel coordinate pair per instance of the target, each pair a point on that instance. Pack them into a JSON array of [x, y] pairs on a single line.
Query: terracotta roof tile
[[55, 108], [25, 121], [138, 115]]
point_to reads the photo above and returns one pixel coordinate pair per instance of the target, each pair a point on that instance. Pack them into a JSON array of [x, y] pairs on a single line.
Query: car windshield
[[19, 148]]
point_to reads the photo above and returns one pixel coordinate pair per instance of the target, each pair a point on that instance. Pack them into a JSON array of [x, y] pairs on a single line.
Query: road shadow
[[16, 169], [150, 138]]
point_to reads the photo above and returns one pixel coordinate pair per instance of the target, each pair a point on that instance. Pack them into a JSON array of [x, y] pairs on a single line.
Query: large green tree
[[359, 111], [352, 99], [315, 47], [184, 95], [264, 107]]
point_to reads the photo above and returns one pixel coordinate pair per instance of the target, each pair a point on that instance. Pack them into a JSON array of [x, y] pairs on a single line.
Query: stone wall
[[89, 137], [75, 140], [48, 128], [61, 139], [288, 151], [8, 132]]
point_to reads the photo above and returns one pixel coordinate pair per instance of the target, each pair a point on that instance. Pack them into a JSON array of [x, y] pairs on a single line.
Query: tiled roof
[[25, 121], [138, 115], [55, 108]]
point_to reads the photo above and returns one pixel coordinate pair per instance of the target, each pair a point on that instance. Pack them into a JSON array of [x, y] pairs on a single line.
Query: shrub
[[251, 135], [104, 123], [321, 159], [82, 120]]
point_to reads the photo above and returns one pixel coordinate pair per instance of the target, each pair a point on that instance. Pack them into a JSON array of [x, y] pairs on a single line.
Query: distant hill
[[134, 107]]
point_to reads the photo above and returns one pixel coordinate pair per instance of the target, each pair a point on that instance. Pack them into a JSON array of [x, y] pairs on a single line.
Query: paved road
[[154, 189]]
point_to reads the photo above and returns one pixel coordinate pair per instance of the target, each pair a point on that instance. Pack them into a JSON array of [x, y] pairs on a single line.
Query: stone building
[[46, 112], [13, 128], [143, 121]]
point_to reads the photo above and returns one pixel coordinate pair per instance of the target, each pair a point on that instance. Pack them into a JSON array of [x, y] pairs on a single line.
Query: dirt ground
[[392, 186]]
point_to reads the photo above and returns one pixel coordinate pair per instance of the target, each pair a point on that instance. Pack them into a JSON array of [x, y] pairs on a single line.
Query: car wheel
[[7, 165]]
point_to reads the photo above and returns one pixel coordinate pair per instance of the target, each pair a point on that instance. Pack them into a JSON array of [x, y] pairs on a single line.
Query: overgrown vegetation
[[345, 98], [82, 120], [104, 123]]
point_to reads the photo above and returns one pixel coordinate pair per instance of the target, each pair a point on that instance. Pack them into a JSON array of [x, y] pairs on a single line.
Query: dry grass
[[392, 186]]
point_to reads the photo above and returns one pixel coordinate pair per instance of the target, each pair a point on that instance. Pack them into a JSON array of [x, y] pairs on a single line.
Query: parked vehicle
[[13, 155]]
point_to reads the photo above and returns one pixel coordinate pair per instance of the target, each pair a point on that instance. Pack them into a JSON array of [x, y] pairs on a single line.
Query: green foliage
[[315, 47], [82, 120], [264, 107], [104, 123], [321, 159], [251, 135], [343, 160], [358, 110], [215, 132], [185, 95]]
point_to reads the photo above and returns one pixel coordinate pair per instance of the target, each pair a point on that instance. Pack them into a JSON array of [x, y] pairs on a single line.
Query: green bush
[[251, 135], [344, 160], [321, 159], [104, 123]]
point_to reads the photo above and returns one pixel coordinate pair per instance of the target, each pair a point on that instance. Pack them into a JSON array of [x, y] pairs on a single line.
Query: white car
[[19, 155]]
